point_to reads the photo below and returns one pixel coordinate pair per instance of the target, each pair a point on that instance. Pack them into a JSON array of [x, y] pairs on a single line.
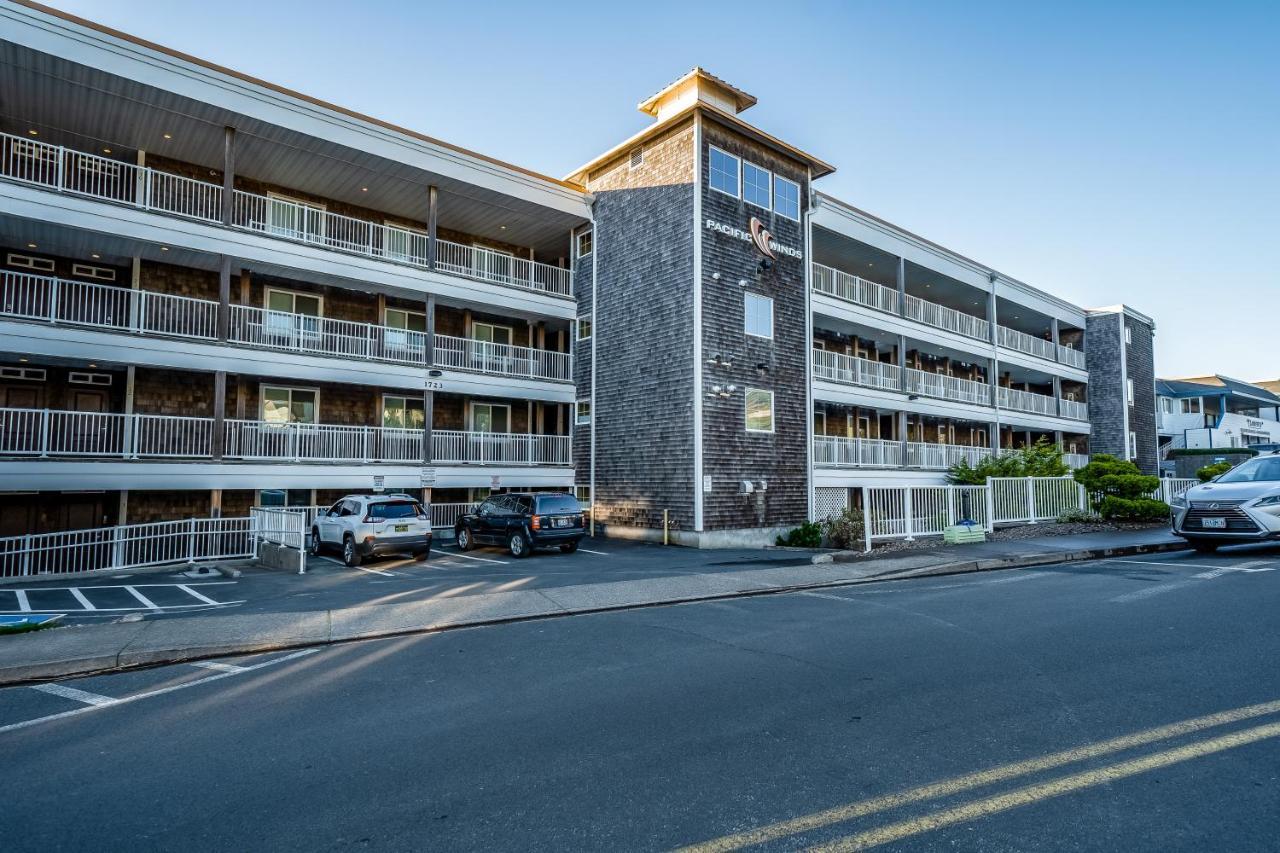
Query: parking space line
[[23, 604], [75, 694], [220, 667], [377, 572], [148, 603], [191, 592], [79, 596], [481, 559], [589, 551]]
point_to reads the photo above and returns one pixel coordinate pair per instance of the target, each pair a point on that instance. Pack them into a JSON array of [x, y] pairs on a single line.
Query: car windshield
[[558, 503], [1254, 471], [396, 509]]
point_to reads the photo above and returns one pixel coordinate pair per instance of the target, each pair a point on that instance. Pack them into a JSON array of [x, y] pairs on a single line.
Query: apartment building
[[219, 293]]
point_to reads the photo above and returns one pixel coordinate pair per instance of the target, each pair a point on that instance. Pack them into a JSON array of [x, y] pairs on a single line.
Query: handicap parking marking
[[146, 602], [24, 606], [80, 597]]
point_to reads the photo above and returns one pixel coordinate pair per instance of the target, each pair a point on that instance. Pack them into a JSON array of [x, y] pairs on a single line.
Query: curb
[[126, 659]]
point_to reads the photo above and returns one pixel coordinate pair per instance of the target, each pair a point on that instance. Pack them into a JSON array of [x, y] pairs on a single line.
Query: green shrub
[[1079, 516], [1042, 459], [847, 529], [1133, 509], [1208, 472], [1106, 476], [807, 535]]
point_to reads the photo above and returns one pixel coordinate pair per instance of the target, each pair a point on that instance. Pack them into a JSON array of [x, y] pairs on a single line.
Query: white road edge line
[[148, 603], [220, 667], [191, 592], [589, 551], [79, 596], [96, 700], [149, 694]]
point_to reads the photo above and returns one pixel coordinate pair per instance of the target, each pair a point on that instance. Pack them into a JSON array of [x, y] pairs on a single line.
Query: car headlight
[[1269, 500], [1178, 500]]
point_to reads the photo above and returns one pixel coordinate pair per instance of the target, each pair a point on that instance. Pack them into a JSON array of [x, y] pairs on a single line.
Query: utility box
[[962, 534]]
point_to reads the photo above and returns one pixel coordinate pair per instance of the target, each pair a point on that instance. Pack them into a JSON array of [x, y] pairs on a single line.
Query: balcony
[[833, 451], [56, 301], [922, 454], [1074, 409], [851, 288], [1025, 401], [942, 317], [1071, 356], [50, 433], [76, 172], [948, 387], [1022, 342], [1075, 460], [851, 370]]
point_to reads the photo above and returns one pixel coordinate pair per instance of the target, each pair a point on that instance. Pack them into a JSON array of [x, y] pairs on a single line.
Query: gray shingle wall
[[1140, 361], [730, 453], [1107, 391]]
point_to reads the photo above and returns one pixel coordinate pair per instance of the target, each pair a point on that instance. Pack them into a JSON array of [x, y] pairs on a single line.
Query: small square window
[[584, 327], [786, 198], [758, 311], [724, 172], [30, 263], [755, 185], [583, 415], [759, 406], [584, 244]]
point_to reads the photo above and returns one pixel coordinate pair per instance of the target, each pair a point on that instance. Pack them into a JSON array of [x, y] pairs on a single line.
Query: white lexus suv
[[367, 525], [1242, 505]]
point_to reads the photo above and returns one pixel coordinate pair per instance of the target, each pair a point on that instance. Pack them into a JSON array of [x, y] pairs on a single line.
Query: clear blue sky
[[1104, 154]]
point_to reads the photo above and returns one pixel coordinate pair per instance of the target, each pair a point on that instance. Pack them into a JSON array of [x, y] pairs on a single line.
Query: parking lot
[[330, 584]]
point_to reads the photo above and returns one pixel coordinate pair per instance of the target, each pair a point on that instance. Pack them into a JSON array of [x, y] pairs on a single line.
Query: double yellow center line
[[1015, 798]]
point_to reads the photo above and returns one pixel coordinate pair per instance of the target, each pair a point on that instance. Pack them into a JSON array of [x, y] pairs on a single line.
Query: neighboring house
[[1217, 411]]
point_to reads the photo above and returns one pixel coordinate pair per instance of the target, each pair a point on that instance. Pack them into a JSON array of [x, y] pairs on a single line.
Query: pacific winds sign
[[758, 235]]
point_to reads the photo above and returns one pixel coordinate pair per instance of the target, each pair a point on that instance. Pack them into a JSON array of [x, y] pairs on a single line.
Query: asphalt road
[[852, 717]]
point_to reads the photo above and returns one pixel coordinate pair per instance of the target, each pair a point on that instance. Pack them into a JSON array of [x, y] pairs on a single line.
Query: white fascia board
[[313, 263], [1031, 362], [79, 475], [58, 341], [1025, 420], [131, 61], [853, 477], [829, 306], [874, 398]]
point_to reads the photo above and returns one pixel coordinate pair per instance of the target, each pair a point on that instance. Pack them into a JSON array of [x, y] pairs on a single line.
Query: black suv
[[523, 521]]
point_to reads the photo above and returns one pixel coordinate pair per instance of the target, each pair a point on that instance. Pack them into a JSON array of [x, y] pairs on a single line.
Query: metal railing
[[1034, 499], [1026, 401], [852, 288], [102, 178], [303, 442], [905, 512], [923, 454], [1022, 342], [838, 367], [502, 359], [128, 546], [44, 433], [499, 448], [834, 451], [942, 317], [1071, 356], [60, 301], [1075, 460], [948, 387], [280, 330], [1074, 409]]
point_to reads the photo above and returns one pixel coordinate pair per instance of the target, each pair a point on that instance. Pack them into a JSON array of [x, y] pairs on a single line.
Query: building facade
[[219, 293], [1120, 346], [1217, 412]]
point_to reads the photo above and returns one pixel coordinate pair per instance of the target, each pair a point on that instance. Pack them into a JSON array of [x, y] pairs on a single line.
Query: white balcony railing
[[499, 448], [46, 433], [302, 442], [71, 171], [1075, 460], [1071, 356], [502, 359], [280, 330], [833, 451], [76, 303], [1025, 401], [1022, 342], [851, 288], [1074, 409], [838, 367], [948, 387], [922, 454], [942, 317]]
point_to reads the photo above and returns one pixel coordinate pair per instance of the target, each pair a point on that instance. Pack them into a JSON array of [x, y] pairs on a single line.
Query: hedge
[[1210, 451]]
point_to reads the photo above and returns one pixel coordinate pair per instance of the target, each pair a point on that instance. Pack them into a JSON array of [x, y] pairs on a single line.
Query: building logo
[[762, 238], [759, 236]]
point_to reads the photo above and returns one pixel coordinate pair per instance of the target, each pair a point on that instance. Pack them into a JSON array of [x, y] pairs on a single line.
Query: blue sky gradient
[[1102, 152]]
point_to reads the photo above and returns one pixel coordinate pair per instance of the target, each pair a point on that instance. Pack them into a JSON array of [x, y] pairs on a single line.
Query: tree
[[1118, 491], [1042, 459]]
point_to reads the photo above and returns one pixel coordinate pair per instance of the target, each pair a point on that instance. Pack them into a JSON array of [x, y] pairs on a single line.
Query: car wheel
[[464, 539], [1203, 547], [518, 545], [350, 555], [421, 555], [316, 544], [569, 547]]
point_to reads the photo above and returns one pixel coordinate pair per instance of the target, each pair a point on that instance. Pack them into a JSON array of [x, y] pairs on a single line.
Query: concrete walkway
[[84, 649]]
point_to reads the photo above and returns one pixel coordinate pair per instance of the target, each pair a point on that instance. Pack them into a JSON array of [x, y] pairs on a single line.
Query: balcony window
[[403, 412], [292, 315], [491, 333], [405, 244], [724, 171], [406, 331], [819, 423], [583, 414], [786, 198], [755, 185], [759, 410], [294, 218], [490, 417], [759, 315], [281, 405], [493, 264]]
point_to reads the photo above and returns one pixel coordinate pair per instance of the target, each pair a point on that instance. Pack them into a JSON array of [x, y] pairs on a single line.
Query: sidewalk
[[84, 649]]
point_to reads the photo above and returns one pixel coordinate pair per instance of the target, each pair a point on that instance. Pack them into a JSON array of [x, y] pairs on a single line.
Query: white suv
[[367, 525], [1242, 505]]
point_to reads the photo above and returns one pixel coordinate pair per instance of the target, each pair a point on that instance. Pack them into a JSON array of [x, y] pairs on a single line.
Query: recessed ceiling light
[[106, 150], [91, 364], [168, 136], [31, 245], [33, 132], [24, 358], [503, 227], [95, 256], [164, 248], [364, 189]]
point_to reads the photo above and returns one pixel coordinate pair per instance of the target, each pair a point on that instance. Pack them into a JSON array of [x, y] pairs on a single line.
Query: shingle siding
[[1104, 344]]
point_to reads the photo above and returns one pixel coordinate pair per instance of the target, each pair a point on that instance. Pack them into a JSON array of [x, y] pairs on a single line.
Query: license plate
[[561, 522], [402, 528], [1220, 523]]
